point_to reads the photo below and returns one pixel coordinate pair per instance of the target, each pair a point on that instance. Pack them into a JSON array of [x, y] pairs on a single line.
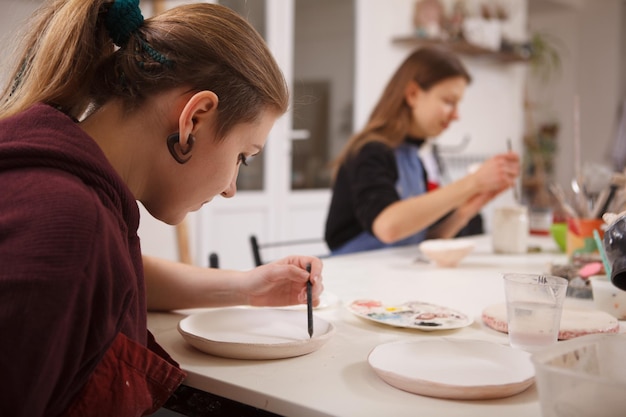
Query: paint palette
[[411, 314]]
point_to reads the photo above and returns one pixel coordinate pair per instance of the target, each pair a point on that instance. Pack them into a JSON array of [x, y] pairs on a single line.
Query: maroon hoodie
[[72, 296]]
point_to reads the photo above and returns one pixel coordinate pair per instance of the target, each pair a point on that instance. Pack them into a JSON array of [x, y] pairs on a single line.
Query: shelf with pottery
[[462, 47]]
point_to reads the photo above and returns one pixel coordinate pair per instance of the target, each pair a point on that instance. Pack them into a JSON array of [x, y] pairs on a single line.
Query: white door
[[284, 193]]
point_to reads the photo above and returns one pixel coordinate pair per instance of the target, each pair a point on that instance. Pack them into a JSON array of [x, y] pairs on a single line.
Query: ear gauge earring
[[176, 150]]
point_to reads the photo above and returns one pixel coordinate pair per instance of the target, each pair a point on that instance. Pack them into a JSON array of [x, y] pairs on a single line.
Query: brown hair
[[391, 117], [70, 61]]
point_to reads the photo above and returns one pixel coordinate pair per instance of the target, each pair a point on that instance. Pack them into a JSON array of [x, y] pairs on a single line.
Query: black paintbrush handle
[[309, 302]]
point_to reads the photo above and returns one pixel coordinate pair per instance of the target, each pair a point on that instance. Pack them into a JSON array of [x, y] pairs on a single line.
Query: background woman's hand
[[283, 282], [497, 173]]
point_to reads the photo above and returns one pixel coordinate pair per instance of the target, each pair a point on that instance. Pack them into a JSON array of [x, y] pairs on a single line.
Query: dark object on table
[[577, 287], [615, 247]]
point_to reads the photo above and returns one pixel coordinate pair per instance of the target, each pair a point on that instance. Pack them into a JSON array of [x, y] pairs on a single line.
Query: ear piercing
[[176, 149]]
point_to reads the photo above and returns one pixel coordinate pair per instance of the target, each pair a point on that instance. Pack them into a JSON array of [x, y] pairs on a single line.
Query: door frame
[[276, 212]]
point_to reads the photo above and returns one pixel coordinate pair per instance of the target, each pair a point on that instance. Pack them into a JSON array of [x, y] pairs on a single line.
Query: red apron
[[131, 380]]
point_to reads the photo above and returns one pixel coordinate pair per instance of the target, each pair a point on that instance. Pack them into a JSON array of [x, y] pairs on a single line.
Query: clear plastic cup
[[534, 304]]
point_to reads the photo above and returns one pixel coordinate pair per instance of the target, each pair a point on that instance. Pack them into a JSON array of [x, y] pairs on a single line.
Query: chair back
[[263, 252]]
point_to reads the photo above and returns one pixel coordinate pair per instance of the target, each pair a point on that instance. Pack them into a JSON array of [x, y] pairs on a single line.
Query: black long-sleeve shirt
[[365, 185]]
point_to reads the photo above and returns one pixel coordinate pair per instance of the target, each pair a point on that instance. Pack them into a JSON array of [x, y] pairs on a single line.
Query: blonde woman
[[103, 110], [380, 190]]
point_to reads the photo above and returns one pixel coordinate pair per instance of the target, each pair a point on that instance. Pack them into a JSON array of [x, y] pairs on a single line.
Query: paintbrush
[[618, 180], [560, 197], [309, 301]]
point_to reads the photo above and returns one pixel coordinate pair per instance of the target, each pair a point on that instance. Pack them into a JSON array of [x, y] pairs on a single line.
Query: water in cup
[[532, 324], [534, 304]]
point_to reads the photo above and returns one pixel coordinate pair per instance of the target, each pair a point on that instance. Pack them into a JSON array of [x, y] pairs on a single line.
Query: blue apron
[[411, 182]]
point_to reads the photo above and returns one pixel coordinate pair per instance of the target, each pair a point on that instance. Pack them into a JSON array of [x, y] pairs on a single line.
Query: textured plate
[[243, 333], [454, 369], [574, 322], [411, 314]]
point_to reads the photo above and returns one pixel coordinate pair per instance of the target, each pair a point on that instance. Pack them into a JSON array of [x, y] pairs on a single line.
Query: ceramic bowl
[[607, 297], [558, 231], [446, 253]]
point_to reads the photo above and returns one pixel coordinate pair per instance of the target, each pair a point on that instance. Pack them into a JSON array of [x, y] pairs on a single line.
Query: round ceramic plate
[[453, 369], [411, 314], [243, 333], [574, 322]]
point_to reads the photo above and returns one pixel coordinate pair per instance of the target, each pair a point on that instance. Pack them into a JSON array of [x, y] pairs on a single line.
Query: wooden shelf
[[462, 47]]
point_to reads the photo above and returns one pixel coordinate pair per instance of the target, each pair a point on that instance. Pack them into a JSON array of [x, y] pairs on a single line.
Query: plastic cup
[[534, 304]]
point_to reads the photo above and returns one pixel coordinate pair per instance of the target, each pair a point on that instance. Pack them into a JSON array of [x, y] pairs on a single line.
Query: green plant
[[545, 57]]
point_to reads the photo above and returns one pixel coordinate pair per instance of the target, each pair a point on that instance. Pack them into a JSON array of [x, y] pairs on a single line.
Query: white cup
[[534, 304], [510, 229]]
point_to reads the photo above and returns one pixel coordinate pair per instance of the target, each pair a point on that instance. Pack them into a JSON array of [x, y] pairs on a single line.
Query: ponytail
[[59, 58]]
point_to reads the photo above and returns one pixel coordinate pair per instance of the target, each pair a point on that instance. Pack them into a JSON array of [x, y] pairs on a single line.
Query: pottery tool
[[510, 149], [618, 181], [577, 160], [605, 261], [560, 197], [309, 301]]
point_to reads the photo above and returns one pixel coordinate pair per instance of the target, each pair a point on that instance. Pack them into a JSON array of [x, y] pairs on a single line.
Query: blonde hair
[[390, 120], [70, 61]]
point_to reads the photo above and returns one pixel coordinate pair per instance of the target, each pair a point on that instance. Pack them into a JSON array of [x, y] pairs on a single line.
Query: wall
[[12, 17], [589, 37]]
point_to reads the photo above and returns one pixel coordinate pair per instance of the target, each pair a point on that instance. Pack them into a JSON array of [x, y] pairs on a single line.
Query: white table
[[336, 380]]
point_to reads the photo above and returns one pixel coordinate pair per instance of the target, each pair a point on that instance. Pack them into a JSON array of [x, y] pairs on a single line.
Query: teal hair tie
[[122, 20]]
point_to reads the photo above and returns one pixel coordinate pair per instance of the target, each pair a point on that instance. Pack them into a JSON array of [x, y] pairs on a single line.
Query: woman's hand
[[497, 173], [283, 282]]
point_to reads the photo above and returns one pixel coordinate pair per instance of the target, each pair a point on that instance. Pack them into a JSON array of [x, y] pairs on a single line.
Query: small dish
[[446, 253], [411, 314], [453, 369], [243, 333]]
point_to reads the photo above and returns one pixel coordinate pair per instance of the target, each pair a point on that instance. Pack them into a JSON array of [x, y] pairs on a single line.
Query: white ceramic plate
[[411, 314], [243, 333], [454, 369], [574, 322]]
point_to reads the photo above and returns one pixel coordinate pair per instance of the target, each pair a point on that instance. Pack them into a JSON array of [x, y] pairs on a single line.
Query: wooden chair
[[318, 244]]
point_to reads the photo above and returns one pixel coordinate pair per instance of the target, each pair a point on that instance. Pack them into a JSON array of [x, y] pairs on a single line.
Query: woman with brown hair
[[103, 110], [380, 193]]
